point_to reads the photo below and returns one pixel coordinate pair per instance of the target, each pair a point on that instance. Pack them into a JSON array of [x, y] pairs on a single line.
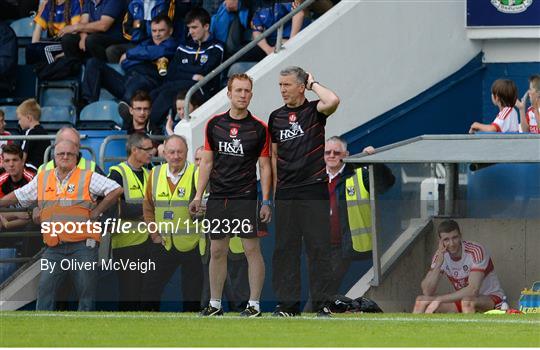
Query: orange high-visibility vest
[[71, 204]]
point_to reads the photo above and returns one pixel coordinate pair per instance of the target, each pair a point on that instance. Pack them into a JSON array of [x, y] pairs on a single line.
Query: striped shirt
[[507, 120]]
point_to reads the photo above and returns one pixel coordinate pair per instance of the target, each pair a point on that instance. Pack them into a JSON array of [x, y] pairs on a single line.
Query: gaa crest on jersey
[[204, 59], [465, 268], [71, 188], [181, 192], [292, 118], [350, 191], [233, 133], [511, 6]]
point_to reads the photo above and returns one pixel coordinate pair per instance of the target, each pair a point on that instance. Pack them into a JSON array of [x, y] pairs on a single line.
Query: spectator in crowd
[[100, 27], [301, 183], [192, 61], [75, 197], [8, 59], [470, 270], [234, 142], [132, 175], [16, 175], [350, 211], [263, 19], [170, 186], [144, 65], [182, 127], [3, 132], [55, 15], [504, 96], [137, 120], [229, 25], [529, 117], [71, 134], [194, 103], [28, 114], [136, 26]]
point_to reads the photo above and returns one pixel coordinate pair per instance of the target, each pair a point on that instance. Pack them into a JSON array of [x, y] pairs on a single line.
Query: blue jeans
[[85, 280]]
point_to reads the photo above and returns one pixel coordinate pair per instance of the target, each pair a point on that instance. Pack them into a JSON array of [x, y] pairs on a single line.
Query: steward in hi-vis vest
[[66, 200], [174, 235], [84, 164], [350, 208], [133, 244]]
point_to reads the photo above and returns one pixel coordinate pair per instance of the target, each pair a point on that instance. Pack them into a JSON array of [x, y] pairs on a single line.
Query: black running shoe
[[211, 311], [324, 312], [281, 313], [123, 110], [250, 311]]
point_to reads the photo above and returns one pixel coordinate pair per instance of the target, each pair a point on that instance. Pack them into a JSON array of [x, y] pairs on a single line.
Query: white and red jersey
[[507, 120], [474, 257], [532, 121]]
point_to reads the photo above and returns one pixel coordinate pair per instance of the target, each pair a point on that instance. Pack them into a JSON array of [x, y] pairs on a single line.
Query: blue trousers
[[63, 256]]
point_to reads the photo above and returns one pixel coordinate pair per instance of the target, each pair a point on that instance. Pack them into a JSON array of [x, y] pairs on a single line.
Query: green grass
[[109, 329]]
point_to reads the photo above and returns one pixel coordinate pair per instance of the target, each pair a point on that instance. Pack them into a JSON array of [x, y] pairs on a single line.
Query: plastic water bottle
[[504, 304]]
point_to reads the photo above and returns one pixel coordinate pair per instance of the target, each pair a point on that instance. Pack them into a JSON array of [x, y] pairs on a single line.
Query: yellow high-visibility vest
[[358, 212], [133, 194], [171, 209], [83, 165]]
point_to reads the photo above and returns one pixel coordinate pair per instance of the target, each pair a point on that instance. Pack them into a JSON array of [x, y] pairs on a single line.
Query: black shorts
[[231, 217]]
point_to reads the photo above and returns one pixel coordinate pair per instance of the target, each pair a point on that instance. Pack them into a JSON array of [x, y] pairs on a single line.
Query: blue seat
[[116, 67], [23, 27], [54, 117], [58, 92], [57, 96], [101, 111], [10, 113]]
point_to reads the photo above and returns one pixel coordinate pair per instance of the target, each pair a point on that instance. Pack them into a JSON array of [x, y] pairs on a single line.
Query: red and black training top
[[299, 134], [7, 185], [237, 145]]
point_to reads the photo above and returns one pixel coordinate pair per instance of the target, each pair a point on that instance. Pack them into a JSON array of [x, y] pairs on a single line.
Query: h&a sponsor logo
[[294, 131], [233, 148]]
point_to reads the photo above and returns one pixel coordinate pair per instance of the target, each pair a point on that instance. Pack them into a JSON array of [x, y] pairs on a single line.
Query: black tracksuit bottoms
[[302, 215]]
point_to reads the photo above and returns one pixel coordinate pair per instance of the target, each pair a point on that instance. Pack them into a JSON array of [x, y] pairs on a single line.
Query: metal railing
[[279, 45], [41, 138], [103, 159]]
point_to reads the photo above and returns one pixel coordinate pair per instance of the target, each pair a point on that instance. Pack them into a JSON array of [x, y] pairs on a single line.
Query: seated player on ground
[[470, 270]]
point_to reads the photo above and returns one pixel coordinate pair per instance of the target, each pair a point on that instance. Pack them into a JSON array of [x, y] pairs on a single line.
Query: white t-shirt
[[507, 120], [531, 120], [474, 257]]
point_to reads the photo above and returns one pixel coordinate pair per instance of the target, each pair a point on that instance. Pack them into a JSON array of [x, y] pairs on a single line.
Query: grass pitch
[[110, 329]]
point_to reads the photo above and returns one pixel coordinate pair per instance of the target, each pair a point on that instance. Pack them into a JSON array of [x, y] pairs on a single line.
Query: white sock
[[215, 303], [255, 304]]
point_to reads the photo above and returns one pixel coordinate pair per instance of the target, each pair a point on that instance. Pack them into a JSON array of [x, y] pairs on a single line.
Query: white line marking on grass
[[360, 318]]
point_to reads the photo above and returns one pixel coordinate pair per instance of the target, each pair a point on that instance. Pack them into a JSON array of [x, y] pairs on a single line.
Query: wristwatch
[[311, 85], [267, 202]]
